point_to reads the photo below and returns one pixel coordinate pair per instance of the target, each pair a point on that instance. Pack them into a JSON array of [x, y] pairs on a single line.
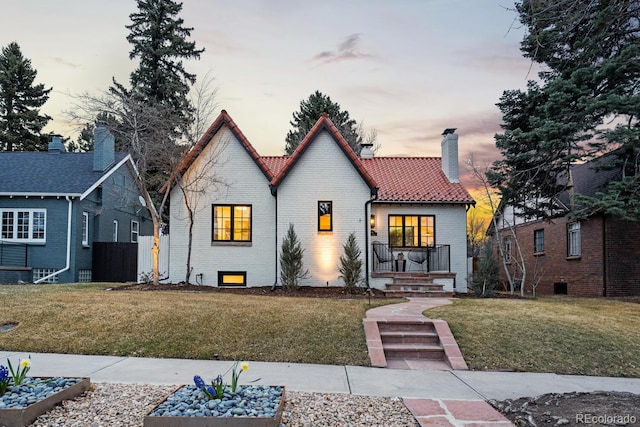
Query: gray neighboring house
[[55, 205]]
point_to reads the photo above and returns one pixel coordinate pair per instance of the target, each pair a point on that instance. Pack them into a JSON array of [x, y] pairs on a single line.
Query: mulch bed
[[302, 291]]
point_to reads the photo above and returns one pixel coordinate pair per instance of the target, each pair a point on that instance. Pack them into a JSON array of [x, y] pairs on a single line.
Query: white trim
[[30, 225], [85, 228], [105, 176], [137, 231], [114, 230], [40, 195]]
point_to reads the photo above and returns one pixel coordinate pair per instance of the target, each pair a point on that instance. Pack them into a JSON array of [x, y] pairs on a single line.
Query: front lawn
[[87, 319], [553, 334]]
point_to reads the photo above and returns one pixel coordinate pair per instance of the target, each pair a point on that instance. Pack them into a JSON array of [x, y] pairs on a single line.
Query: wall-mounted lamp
[[372, 223]]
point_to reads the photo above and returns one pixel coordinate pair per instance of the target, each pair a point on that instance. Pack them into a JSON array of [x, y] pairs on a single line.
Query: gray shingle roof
[[45, 172]]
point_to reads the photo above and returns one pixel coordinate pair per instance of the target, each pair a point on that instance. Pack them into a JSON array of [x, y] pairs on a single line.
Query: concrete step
[[406, 326], [416, 294], [409, 337], [404, 280], [413, 351], [420, 287]]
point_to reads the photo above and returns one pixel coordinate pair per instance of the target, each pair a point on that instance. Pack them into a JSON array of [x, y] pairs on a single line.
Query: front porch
[[427, 259]]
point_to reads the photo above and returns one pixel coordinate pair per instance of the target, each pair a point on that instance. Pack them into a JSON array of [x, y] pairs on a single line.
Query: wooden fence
[[145, 257]]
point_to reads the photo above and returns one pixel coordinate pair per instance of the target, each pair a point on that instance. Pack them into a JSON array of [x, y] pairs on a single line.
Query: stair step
[[423, 287], [412, 280], [409, 337], [405, 326], [413, 351], [412, 294]]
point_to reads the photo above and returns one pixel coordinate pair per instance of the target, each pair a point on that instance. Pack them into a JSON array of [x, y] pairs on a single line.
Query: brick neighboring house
[[594, 257]]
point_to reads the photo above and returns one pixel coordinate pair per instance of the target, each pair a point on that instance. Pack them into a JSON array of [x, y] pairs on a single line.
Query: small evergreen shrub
[[291, 261], [351, 265]]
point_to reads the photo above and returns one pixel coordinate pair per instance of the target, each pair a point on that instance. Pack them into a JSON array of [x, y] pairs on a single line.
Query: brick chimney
[[450, 154], [366, 151], [56, 146], [103, 149]]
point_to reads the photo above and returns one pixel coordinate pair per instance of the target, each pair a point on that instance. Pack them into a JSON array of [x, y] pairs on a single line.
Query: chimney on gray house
[[366, 151], [450, 154], [103, 149], [56, 146]]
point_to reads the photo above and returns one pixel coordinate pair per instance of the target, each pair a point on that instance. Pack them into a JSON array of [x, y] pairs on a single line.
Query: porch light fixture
[[372, 221]]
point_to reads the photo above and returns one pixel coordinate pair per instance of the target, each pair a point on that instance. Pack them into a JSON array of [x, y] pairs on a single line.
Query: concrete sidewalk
[[357, 380]]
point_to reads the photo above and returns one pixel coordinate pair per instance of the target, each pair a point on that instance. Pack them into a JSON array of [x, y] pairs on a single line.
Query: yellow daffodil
[[25, 363], [244, 366]]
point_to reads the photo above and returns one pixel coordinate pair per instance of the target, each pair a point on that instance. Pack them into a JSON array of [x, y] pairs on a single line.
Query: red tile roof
[[414, 179], [397, 179]]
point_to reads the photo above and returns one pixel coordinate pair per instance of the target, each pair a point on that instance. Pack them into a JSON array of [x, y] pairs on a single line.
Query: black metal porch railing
[[393, 259], [13, 254]]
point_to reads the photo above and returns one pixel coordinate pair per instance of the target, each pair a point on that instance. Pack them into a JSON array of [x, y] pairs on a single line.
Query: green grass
[[561, 335], [87, 319]]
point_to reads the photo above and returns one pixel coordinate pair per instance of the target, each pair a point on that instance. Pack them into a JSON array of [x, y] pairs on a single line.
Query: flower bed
[[20, 405], [250, 405]]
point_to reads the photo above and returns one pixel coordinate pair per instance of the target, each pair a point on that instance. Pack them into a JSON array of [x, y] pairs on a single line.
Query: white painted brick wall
[[323, 173], [245, 184]]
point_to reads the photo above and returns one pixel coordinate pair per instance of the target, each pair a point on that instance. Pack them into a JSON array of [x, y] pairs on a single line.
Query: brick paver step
[[409, 337], [413, 351]]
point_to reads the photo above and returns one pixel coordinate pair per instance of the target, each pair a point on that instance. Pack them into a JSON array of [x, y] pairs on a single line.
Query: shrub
[[485, 280], [351, 265], [291, 263]]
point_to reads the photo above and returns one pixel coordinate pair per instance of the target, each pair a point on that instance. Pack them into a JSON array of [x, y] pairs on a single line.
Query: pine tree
[[20, 101], [159, 41], [310, 112], [351, 265], [291, 261], [588, 104]]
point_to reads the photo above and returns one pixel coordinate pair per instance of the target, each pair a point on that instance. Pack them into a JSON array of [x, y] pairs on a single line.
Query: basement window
[[232, 278]]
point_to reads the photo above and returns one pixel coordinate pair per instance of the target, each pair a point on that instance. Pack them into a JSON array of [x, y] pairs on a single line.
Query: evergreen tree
[[310, 112], [20, 101], [351, 265], [291, 260], [84, 142], [160, 42], [591, 56]]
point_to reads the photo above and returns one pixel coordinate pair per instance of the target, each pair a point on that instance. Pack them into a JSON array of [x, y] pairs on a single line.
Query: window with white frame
[[135, 230], [85, 228], [23, 225], [114, 238], [574, 247]]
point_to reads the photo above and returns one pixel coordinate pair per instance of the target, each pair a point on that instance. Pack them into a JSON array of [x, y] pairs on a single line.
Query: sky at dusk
[[407, 68]]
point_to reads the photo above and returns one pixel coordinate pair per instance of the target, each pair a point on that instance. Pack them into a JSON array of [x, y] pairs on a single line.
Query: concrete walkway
[[454, 394]]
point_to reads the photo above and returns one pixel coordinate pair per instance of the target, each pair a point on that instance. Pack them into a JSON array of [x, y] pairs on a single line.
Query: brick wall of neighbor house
[[583, 275], [244, 183], [323, 173], [622, 240]]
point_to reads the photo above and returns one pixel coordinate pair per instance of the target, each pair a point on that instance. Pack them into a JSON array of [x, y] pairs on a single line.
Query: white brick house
[[405, 204]]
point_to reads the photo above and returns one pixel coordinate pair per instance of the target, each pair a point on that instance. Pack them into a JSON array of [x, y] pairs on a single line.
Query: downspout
[[70, 202], [275, 281]]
